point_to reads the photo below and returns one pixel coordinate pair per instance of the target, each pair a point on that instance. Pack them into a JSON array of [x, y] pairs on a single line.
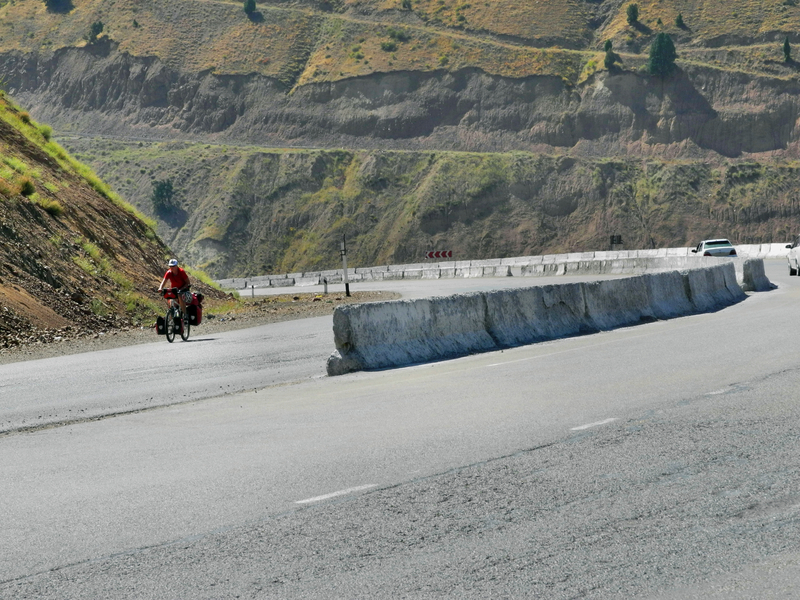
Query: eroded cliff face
[[698, 113]]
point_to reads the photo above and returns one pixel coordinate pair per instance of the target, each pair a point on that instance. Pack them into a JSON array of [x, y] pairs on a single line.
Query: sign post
[[343, 252]]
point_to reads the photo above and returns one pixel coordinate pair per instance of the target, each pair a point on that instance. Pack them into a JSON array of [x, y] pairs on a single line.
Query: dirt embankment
[[74, 260], [273, 309]]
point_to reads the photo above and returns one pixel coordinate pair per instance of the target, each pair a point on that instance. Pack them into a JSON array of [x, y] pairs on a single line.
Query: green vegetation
[[662, 56], [95, 30], [268, 214], [632, 14], [50, 206], [163, 197], [26, 186], [249, 6]]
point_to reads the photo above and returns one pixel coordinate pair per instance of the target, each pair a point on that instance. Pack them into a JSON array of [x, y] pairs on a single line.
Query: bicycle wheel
[[170, 326], [185, 327]]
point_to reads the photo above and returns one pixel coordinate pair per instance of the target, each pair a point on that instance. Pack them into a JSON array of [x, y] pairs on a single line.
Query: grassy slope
[[275, 216], [59, 264]]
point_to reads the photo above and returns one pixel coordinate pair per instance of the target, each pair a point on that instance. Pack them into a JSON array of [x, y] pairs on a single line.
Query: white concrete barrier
[[382, 334], [396, 333], [575, 263]]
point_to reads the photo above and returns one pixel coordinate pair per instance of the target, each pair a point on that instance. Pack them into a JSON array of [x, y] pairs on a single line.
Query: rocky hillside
[[75, 260], [243, 211], [558, 151]]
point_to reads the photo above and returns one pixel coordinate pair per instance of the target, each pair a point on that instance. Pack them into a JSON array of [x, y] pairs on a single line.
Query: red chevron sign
[[439, 254]]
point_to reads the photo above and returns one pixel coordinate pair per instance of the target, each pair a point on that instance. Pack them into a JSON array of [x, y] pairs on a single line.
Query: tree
[[95, 30], [679, 22], [249, 6], [787, 50], [609, 60], [611, 56], [662, 56], [60, 6], [163, 196], [633, 14]]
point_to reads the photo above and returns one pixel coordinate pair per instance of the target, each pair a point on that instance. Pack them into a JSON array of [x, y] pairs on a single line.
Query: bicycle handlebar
[[173, 291]]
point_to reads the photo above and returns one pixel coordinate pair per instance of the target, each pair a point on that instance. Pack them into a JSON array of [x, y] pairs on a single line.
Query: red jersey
[[177, 280]]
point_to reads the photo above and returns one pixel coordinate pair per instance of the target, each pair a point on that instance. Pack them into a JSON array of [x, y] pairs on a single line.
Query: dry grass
[[298, 44]]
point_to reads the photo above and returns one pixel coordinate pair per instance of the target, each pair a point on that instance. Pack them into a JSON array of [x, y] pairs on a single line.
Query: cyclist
[[178, 278]]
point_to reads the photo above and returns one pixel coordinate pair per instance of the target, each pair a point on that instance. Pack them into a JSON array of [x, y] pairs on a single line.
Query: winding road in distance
[[654, 461]]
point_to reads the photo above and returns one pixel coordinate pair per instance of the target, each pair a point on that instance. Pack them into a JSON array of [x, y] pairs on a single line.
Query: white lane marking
[[596, 424], [339, 493]]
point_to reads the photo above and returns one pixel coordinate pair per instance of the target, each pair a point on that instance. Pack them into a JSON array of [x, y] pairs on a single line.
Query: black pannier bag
[[161, 329]]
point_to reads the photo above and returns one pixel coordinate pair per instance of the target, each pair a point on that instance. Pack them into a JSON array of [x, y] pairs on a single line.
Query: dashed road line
[[351, 490], [595, 424]]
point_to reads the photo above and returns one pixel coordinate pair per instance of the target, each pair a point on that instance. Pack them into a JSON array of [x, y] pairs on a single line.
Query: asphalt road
[[653, 461]]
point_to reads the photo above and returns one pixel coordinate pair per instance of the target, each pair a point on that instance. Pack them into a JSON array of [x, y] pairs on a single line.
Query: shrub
[[52, 207], [95, 30], [249, 6], [46, 131], [25, 117], [389, 46], [398, 35], [26, 186], [787, 50]]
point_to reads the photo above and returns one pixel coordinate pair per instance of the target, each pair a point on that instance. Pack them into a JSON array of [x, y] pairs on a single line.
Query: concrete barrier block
[[469, 272], [285, 282], [528, 315], [402, 332], [617, 302], [304, 281], [709, 287], [431, 274], [668, 294], [489, 262], [447, 272], [412, 274], [533, 270], [754, 279]]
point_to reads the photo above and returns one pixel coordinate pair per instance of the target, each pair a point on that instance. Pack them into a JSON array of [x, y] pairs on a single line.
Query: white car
[[720, 247], [793, 256]]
